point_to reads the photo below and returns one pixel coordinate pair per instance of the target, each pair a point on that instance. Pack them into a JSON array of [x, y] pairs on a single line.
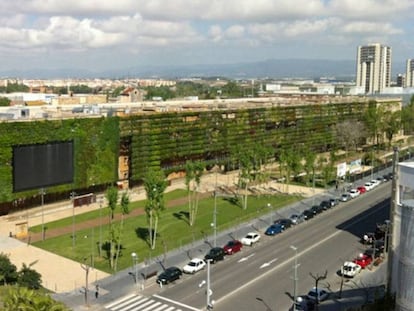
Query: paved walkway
[[64, 275]]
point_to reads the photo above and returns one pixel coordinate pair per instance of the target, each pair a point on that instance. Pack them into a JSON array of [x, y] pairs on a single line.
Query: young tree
[[290, 161], [22, 298], [193, 173], [29, 278], [8, 271], [349, 134], [392, 124], [309, 165], [373, 120], [124, 211], [407, 117], [245, 176], [112, 198], [155, 185]]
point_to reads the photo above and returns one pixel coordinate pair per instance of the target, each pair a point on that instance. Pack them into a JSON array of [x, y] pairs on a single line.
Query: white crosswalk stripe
[[140, 303]]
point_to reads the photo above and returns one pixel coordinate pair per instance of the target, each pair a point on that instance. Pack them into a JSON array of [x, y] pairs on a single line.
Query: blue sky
[[107, 34]]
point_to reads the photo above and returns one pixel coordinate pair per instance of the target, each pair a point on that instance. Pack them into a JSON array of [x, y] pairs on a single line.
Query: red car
[[232, 247], [363, 260], [362, 189]]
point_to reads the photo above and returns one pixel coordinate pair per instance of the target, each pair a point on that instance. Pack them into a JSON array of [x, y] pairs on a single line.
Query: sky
[[109, 34]]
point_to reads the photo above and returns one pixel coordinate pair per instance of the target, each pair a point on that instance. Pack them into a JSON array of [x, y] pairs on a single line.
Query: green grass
[[65, 222], [173, 230]]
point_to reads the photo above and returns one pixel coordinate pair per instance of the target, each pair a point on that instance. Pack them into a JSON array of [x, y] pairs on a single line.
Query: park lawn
[[104, 212], [173, 231]]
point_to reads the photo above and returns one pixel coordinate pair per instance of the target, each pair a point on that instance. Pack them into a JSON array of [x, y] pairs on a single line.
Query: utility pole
[[72, 200], [209, 305], [86, 267], [295, 276], [42, 195], [391, 218]]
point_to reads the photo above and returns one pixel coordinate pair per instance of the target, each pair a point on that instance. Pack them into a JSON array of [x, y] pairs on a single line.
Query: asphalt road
[[261, 277]]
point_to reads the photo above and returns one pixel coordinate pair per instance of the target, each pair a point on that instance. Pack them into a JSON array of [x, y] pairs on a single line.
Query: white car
[[195, 265], [354, 193], [369, 186], [250, 238], [321, 294], [375, 182], [350, 269]]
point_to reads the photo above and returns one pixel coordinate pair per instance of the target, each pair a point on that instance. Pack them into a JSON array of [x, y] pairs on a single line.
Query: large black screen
[[42, 165]]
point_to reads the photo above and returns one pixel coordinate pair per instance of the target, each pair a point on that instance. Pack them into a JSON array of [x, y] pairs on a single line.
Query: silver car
[[297, 218]]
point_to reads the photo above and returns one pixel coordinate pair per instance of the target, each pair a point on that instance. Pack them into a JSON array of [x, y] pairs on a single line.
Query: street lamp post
[[100, 226], [135, 263], [42, 195], [270, 206], [209, 305], [72, 200], [372, 165], [295, 276]]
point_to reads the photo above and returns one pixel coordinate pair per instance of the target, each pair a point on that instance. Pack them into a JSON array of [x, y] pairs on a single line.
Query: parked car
[[374, 182], [350, 269], [345, 197], [362, 189], [297, 218], [363, 260], [354, 193], [381, 179], [250, 238], [169, 275], [316, 209], [334, 201], [285, 222], [274, 229], [374, 252], [318, 295], [232, 247], [368, 238], [303, 304], [369, 186], [195, 265], [308, 214], [325, 204], [215, 254]]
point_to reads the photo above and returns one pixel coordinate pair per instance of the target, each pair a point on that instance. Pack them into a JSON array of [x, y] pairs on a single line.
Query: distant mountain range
[[273, 68]]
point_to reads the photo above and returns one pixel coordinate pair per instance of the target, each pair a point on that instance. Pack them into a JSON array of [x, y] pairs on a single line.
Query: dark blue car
[[274, 229]]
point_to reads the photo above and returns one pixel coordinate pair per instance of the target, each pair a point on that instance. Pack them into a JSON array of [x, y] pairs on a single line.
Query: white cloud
[[370, 28], [275, 27]]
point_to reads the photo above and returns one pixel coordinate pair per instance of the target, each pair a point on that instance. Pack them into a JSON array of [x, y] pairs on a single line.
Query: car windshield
[[312, 294], [348, 268], [192, 264], [231, 243]]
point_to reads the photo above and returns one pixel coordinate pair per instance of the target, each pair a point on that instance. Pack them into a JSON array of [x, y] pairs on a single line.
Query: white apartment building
[[373, 68], [409, 74]]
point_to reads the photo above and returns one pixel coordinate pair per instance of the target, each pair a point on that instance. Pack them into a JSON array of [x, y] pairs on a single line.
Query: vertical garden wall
[[96, 143], [169, 139]]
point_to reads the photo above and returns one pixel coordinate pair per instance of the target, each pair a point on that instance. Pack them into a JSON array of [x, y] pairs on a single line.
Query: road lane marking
[[247, 284], [267, 264], [175, 302], [245, 258]]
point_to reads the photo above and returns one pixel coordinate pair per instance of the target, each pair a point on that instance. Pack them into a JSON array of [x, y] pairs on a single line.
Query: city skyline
[[104, 36]]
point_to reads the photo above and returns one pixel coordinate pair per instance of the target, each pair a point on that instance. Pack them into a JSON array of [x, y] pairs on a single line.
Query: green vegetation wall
[[168, 140], [96, 145]]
